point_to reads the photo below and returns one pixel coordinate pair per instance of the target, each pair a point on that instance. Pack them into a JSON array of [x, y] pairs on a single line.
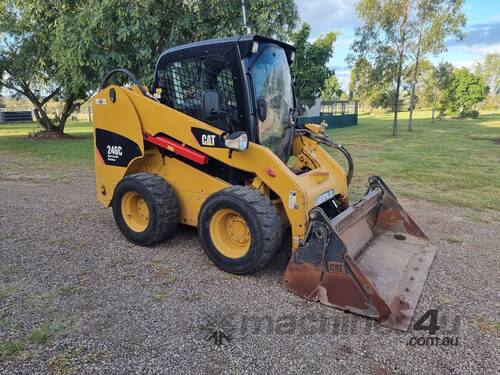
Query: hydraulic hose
[[350, 162], [126, 72], [324, 139]]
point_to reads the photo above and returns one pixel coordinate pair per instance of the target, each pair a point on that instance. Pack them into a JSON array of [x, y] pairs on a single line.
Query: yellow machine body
[[133, 115]]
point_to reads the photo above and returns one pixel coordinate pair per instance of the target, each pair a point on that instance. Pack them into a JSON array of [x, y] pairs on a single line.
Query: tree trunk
[[412, 102], [413, 88], [69, 107], [414, 78], [40, 114], [433, 110], [42, 118], [398, 87], [400, 72], [396, 103]]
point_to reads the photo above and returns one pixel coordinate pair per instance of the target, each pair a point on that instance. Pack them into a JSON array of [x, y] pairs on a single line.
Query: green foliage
[[395, 36], [465, 91], [380, 98], [373, 83], [310, 69], [383, 39], [361, 81], [437, 20], [429, 92], [62, 49], [331, 89], [424, 70], [140, 32], [456, 90], [444, 80], [26, 64], [489, 71], [471, 113]]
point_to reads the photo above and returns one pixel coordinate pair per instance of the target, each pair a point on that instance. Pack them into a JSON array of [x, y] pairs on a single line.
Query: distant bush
[[472, 113], [466, 91]]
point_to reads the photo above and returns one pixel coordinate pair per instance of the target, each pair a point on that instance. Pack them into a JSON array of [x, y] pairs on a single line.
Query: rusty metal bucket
[[372, 259]]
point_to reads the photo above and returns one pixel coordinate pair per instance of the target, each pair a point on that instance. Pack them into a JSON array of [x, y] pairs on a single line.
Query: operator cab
[[235, 84]]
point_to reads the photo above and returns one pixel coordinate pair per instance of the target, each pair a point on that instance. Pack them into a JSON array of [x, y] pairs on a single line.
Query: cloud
[[343, 74], [327, 15], [476, 49], [464, 63], [479, 34]]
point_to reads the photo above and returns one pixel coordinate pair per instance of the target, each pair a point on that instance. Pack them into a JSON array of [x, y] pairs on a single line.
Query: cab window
[[183, 83]]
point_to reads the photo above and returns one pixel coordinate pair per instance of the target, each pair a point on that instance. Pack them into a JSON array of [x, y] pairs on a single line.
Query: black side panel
[[215, 168], [115, 149]]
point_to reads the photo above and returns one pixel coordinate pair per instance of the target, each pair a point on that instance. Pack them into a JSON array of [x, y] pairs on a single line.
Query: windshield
[[271, 78]]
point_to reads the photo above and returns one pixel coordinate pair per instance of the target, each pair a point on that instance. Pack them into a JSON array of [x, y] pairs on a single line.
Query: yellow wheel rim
[[230, 233], [135, 211]]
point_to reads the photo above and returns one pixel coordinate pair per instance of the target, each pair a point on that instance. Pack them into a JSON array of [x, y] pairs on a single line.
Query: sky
[[483, 31]]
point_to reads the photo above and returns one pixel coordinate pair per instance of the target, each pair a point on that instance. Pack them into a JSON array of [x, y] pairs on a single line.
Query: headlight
[[236, 141]]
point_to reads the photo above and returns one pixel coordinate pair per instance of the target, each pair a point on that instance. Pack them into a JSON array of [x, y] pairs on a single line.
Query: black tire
[[263, 222], [162, 204]]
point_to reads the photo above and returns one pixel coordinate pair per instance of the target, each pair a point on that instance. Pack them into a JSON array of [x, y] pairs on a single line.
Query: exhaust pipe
[[372, 259]]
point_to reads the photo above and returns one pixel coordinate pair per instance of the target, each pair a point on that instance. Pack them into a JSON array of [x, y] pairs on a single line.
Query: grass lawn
[[76, 151], [452, 162]]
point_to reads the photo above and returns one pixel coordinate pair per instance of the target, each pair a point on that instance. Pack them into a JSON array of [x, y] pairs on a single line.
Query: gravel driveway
[[76, 297]]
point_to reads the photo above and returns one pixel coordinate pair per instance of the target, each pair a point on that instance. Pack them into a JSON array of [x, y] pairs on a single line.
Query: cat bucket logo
[[206, 138]]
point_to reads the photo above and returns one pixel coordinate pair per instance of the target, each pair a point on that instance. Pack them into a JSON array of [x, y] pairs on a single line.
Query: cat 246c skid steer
[[214, 143]]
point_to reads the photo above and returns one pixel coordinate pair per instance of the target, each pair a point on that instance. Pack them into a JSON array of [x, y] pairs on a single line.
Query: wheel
[[146, 209], [240, 229]]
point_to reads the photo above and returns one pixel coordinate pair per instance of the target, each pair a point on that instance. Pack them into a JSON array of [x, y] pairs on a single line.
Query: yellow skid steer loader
[[210, 145]]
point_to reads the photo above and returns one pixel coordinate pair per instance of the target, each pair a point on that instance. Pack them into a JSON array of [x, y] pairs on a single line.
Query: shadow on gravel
[[274, 269]]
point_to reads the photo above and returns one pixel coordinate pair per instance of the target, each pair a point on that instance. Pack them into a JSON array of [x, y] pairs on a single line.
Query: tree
[[430, 90], [489, 71], [310, 69], [444, 80], [331, 89], [466, 91], [424, 67], [383, 37], [361, 83], [380, 97], [62, 49], [25, 63], [435, 20]]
